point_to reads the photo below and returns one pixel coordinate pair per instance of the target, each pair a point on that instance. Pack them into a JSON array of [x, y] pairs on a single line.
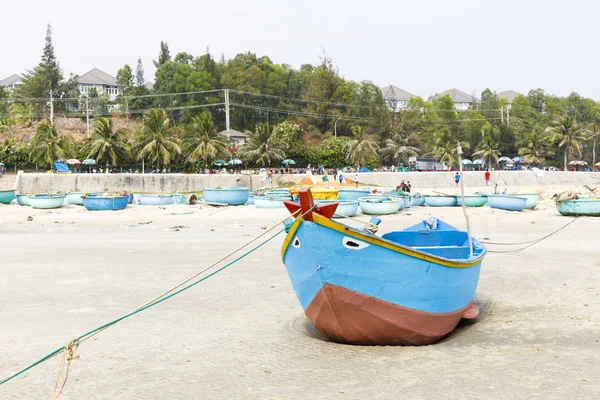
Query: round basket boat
[[505, 202], [96, 202], [318, 193], [472, 201], [345, 208], [250, 200], [23, 199], [270, 201], [579, 207], [380, 206], [352, 194], [233, 196], [155, 199], [6, 196], [440, 201], [75, 198], [46, 201], [533, 199]]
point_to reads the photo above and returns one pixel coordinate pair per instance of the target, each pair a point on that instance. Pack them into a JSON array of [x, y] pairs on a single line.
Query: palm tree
[[359, 146], [445, 148], [21, 113], [488, 149], [47, 145], [202, 141], [156, 138], [7, 125], [536, 148], [567, 135], [107, 144], [593, 135], [397, 148], [262, 147]]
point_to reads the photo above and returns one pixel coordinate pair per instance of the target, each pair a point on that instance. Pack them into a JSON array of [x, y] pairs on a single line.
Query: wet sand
[[242, 333]]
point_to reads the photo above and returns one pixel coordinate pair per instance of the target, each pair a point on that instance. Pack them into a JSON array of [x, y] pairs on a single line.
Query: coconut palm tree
[[21, 113], [156, 139], [593, 134], [7, 125], [536, 147], [396, 148], [47, 145], [568, 136], [359, 146], [262, 147], [202, 141], [488, 149], [107, 144], [445, 148]]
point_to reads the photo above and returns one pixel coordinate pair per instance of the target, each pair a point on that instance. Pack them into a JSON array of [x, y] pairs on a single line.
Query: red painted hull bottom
[[345, 316]]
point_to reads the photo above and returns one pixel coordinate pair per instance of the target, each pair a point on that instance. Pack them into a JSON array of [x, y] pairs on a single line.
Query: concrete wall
[[185, 183]]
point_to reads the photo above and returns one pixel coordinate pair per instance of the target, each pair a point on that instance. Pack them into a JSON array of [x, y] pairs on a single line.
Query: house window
[[111, 90], [84, 89]]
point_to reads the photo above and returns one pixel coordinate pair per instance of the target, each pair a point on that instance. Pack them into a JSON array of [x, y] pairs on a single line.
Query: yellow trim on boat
[[290, 235]]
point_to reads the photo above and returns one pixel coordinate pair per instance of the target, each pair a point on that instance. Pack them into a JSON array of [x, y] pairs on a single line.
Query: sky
[[424, 47]]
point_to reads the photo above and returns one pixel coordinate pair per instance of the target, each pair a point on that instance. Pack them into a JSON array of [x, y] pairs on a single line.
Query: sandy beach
[[242, 333]]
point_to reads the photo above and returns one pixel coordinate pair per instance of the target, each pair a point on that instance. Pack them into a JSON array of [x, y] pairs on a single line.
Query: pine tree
[[164, 56], [139, 73]]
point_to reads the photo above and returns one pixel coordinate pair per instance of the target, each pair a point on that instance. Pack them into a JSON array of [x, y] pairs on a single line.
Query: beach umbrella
[[288, 162], [2, 164], [466, 161], [479, 161], [73, 161], [89, 161], [235, 161], [364, 169], [220, 163], [517, 159], [576, 162], [504, 159], [597, 165]]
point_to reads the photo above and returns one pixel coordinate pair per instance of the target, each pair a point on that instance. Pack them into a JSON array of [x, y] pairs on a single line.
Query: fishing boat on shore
[[95, 202], [506, 202], [472, 201], [440, 201], [352, 194], [6, 196], [345, 208], [234, 196], [380, 205], [155, 199], [270, 201], [574, 205], [533, 199], [46, 201], [408, 287], [76, 198], [318, 193]]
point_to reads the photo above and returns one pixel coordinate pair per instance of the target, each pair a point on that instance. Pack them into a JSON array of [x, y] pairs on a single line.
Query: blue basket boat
[[155, 199], [533, 199], [250, 200], [380, 205], [96, 202], [233, 196], [472, 201], [345, 208], [75, 198], [505, 202], [23, 199], [6, 196], [440, 201], [407, 287], [46, 201], [270, 201], [352, 194], [579, 207]]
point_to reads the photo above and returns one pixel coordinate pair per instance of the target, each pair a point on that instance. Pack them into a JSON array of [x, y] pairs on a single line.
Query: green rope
[[158, 301]]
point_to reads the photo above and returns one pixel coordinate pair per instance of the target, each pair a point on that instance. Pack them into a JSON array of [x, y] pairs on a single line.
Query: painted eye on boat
[[296, 243], [353, 244]]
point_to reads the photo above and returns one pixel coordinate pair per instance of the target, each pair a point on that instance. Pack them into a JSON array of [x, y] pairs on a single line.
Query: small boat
[[408, 287], [506, 202], [345, 208], [352, 194], [579, 207], [533, 199], [23, 199], [423, 200], [380, 205], [440, 201], [270, 201], [155, 199], [278, 192], [416, 199], [234, 196], [46, 201], [95, 202], [318, 193], [472, 201], [250, 201], [6, 196], [75, 198]]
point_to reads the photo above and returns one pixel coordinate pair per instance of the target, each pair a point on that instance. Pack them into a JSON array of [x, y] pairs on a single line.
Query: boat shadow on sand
[[303, 326]]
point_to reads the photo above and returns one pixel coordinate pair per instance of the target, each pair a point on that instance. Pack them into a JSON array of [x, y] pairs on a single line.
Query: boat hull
[[579, 207], [345, 208], [155, 199], [23, 199], [101, 203], [318, 193], [533, 199], [76, 198], [440, 201], [232, 196], [375, 206], [270, 201], [508, 203], [6, 196], [46, 201], [352, 194], [472, 201]]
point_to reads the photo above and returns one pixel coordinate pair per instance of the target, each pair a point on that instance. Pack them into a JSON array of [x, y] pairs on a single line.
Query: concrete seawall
[[186, 183]]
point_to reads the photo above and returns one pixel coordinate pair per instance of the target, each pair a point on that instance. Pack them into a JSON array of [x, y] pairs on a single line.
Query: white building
[[462, 101], [99, 80], [509, 95], [396, 98], [233, 136], [9, 84]]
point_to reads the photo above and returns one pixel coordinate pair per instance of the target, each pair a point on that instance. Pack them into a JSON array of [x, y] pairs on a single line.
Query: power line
[[301, 113]]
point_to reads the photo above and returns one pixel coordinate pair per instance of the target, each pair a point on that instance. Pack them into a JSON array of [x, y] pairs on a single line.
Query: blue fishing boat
[[440, 201], [270, 201], [75, 198], [6, 196], [416, 199], [506, 202], [234, 196], [155, 199], [23, 199], [352, 194], [472, 201], [95, 202], [345, 208], [380, 205], [46, 201], [579, 207], [407, 287], [533, 199], [250, 201]]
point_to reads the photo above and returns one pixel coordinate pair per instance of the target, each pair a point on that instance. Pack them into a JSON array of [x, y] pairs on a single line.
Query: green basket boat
[[579, 207]]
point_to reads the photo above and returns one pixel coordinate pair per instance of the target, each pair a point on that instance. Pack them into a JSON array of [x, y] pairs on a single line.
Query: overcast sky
[[422, 46]]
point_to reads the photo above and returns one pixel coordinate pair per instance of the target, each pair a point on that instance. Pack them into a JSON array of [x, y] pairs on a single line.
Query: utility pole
[[87, 116], [507, 117], [335, 127], [51, 107], [227, 113], [502, 114]]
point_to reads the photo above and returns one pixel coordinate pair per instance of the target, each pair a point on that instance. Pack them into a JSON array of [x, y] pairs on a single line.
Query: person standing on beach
[[356, 179], [487, 177], [457, 178]]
